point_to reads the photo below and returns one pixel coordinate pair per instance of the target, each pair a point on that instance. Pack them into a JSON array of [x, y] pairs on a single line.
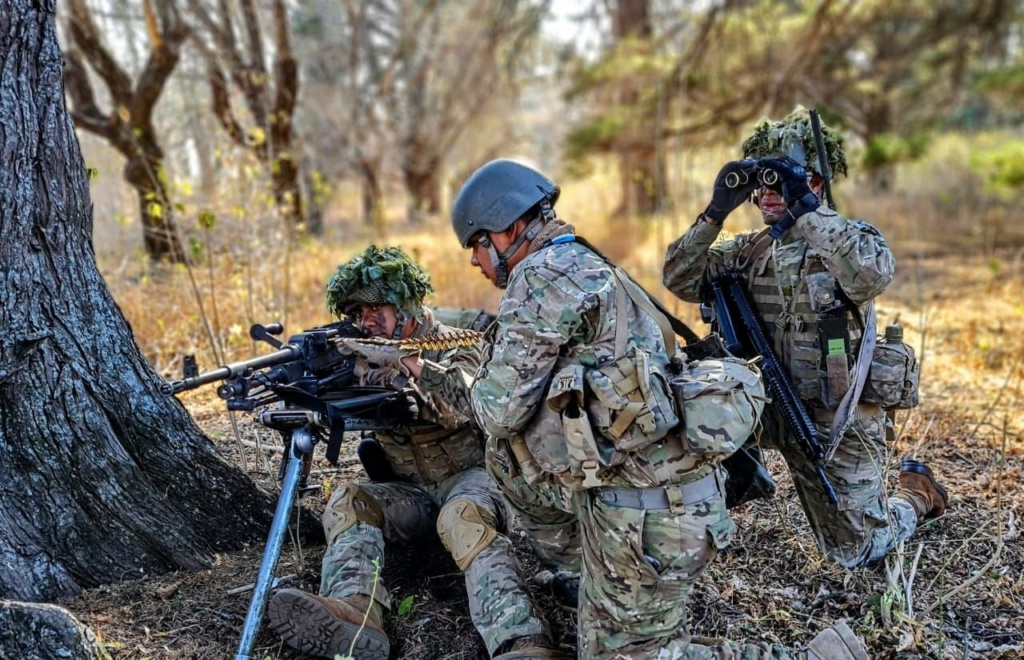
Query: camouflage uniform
[[638, 565], [865, 525], [439, 461]]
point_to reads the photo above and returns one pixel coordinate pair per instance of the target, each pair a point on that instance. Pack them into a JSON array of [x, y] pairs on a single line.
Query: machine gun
[[317, 386], [731, 309]]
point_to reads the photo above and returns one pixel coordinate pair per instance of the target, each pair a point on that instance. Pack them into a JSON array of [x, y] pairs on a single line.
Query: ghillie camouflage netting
[[378, 277], [793, 137]]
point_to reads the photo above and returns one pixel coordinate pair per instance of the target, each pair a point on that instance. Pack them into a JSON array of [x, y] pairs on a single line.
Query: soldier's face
[[772, 205], [377, 320], [480, 255]]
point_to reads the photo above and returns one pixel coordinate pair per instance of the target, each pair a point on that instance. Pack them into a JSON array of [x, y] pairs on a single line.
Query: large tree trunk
[[423, 185], [641, 165], [101, 476], [373, 195], [45, 631], [142, 171]]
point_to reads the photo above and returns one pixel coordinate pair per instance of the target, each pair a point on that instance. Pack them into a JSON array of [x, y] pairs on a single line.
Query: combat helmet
[[378, 277], [494, 197], [792, 137]]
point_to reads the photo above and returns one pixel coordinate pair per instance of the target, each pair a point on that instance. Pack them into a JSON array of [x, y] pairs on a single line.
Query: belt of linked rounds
[[435, 342]]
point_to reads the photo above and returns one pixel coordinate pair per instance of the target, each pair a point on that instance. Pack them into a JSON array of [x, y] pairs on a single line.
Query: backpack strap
[[669, 324]]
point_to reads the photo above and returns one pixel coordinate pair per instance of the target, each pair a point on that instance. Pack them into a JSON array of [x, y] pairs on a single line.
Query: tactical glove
[[379, 354], [733, 186], [796, 191], [404, 409]]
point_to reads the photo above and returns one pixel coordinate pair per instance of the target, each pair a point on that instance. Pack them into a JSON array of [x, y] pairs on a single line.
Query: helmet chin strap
[[500, 260]]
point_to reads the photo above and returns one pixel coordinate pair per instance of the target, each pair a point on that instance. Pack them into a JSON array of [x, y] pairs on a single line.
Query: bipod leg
[[301, 445]]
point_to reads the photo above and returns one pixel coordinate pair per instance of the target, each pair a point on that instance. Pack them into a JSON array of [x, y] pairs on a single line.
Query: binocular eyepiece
[[766, 177]]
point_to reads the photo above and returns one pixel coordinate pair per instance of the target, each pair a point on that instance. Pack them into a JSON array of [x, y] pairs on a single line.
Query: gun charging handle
[[267, 333]]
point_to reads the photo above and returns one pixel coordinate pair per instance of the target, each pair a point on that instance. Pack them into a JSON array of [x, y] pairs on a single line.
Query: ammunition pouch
[[621, 407], [720, 401], [894, 377]]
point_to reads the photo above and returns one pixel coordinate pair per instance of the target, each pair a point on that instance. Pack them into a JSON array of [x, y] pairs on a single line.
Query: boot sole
[[917, 467], [305, 624]]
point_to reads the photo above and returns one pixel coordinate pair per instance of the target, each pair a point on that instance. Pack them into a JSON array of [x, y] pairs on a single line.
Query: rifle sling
[[844, 414]]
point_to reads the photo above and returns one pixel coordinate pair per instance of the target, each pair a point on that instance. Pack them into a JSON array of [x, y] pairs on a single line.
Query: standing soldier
[[811, 264], [582, 433], [437, 481]]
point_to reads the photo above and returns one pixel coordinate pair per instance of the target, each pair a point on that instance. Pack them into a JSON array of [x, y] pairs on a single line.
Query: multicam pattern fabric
[[499, 605], [866, 525], [441, 458], [637, 567], [445, 441], [559, 309]]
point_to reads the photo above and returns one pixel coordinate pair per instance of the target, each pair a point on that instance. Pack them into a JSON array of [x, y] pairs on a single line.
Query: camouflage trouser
[[637, 567], [866, 524], [499, 605]]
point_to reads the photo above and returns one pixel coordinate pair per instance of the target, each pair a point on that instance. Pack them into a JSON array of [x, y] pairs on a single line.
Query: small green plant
[[405, 607], [366, 614]]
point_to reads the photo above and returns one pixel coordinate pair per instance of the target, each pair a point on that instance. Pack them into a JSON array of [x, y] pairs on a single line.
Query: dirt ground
[[955, 591]]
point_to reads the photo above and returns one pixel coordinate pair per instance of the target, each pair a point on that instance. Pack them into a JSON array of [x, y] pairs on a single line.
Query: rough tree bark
[[102, 477], [41, 632]]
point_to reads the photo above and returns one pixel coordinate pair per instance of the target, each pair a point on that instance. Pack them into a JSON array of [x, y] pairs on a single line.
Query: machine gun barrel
[[286, 353], [784, 397]]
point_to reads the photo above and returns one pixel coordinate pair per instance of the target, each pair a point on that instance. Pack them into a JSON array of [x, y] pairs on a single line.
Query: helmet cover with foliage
[[378, 277], [498, 194], [792, 137]]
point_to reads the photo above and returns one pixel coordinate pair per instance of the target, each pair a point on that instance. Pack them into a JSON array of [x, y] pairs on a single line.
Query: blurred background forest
[[238, 150]]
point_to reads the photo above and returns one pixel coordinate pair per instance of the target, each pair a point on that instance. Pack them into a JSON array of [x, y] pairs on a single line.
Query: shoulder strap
[[755, 247], [844, 413], [669, 324]]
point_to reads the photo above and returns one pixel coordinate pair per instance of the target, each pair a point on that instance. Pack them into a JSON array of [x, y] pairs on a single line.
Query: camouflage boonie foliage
[[792, 137], [378, 276]]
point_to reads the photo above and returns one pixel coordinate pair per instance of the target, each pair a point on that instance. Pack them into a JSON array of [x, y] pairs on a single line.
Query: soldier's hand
[[377, 353], [796, 191], [405, 408], [792, 180], [733, 186]]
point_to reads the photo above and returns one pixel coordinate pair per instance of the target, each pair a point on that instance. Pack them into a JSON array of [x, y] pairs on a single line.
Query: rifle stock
[[729, 294]]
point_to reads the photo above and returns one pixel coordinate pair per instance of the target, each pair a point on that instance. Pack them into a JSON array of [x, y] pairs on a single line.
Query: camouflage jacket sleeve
[[538, 316], [444, 386], [853, 251], [691, 259]]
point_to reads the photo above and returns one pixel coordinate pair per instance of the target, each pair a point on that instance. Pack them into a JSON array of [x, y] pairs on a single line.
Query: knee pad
[[465, 530], [350, 504]]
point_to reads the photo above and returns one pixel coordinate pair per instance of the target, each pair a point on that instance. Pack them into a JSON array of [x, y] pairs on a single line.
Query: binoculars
[[766, 177]]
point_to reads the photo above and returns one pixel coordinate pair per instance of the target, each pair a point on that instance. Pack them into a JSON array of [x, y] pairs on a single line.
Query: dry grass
[[954, 592]]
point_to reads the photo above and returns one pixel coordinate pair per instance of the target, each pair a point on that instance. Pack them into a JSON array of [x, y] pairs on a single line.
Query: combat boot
[[529, 648], [919, 488], [837, 643], [326, 627]]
